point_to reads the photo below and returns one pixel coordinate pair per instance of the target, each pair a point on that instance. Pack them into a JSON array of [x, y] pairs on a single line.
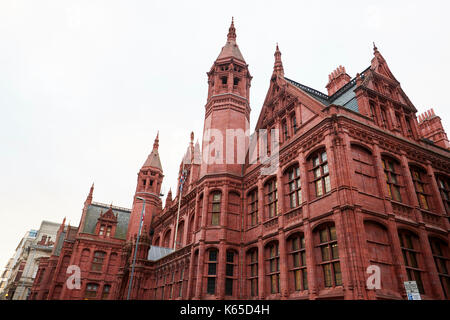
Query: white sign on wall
[[412, 291]]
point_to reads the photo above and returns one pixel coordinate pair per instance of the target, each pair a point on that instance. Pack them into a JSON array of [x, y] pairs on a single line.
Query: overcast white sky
[[85, 85]]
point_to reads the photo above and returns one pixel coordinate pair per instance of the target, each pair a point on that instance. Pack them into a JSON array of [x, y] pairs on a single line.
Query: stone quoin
[[360, 180]]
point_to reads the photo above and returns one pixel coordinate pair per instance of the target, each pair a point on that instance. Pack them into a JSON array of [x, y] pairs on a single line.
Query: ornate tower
[[148, 187], [227, 111]]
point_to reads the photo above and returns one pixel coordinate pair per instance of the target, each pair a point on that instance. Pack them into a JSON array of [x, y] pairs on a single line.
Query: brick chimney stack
[[337, 79], [430, 127]]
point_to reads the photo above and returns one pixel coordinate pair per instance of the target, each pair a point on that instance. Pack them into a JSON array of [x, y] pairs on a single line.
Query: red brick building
[[359, 181]]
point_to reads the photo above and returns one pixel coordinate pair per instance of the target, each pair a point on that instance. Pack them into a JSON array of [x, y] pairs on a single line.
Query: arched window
[[273, 267], [167, 236], [298, 273], [384, 121], [212, 271], [233, 210], [106, 290], [328, 253], [180, 235], [84, 259], [215, 208], [409, 243], [191, 229], [91, 291], [171, 284], [199, 213], [391, 172], [421, 186], [294, 193], [380, 253], [441, 258], [444, 189], [194, 272], [113, 263], [230, 272], [97, 262], [252, 200], [364, 177], [252, 271], [294, 123], [271, 198], [57, 292], [180, 281], [320, 173]]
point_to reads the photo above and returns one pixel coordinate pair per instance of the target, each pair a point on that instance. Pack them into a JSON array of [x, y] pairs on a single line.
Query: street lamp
[[135, 250]]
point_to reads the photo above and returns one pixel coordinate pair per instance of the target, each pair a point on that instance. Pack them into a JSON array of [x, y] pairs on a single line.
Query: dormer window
[[102, 230], [285, 130], [294, 123], [108, 232]]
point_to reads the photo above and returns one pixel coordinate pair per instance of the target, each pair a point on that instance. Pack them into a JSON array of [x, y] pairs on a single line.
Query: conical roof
[[153, 158], [231, 49]]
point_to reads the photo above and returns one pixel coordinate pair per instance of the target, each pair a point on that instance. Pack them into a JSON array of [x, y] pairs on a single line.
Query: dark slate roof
[[345, 96], [93, 213], [59, 243], [156, 253]]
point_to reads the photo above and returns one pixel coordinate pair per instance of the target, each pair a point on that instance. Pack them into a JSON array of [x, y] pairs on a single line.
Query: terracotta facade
[[359, 181]]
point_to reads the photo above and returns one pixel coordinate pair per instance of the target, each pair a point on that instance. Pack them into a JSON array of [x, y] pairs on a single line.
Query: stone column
[[311, 267], [261, 216], [196, 214], [200, 268], [204, 220], [221, 265], [304, 181], [190, 285], [281, 197], [284, 286], [434, 285], [261, 270]]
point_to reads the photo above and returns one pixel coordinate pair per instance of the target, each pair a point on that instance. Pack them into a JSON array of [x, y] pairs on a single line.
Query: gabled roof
[[345, 96], [96, 209]]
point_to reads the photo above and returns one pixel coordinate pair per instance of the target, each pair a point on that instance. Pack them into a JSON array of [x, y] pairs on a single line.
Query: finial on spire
[[91, 192], [231, 31], [375, 49], [278, 66], [192, 137], [156, 143]]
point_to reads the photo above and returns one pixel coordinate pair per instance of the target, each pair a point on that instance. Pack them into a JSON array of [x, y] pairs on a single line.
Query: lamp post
[[136, 248]]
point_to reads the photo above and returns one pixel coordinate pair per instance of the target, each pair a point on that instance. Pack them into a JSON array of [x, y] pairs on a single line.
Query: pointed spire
[[153, 158], [169, 198], [231, 49], [156, 143], [231, 31], [91, 193], [375, 49], [278, 65]]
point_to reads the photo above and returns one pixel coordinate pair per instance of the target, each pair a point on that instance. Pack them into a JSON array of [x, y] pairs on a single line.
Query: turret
[[430, 127], [278, 65], [227, 108], [148, 187]]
